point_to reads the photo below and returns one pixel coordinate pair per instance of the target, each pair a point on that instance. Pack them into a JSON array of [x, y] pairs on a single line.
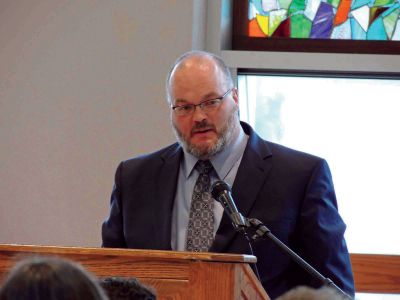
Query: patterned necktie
[[200, 233]]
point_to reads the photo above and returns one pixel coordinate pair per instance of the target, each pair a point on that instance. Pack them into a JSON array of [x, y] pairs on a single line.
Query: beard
[[224, 137]]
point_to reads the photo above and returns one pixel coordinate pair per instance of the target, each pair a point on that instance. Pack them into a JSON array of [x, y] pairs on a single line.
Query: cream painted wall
[[81, 88]]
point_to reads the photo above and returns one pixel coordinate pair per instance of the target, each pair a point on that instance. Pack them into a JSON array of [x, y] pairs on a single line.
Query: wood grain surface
[[376, 273]]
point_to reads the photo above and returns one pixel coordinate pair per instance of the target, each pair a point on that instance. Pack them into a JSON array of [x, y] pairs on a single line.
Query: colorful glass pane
[[325, 19], [377, 30], [383, 2], [300, 26], [283, 29], [357, 31], [342, 31], [374, 13], [389, 21], [284, 3], [312, 8], [334, 3], [358, 3], [296, 6], [323, 22], [275, 19], [396, 33], [361, 15], [342, 12], [269, 5], [263, 23], [255, 30]]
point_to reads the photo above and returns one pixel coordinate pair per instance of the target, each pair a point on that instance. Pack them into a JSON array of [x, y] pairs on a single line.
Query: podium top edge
[[179, 255]]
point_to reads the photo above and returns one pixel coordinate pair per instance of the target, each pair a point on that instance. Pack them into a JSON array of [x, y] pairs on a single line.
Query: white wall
[[81, 88]]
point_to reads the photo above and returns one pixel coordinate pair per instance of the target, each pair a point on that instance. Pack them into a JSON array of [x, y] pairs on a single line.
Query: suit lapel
[[249, 179], [165, 193]]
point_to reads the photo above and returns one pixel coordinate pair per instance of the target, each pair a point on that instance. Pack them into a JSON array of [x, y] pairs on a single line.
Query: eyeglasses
[[206, 106]]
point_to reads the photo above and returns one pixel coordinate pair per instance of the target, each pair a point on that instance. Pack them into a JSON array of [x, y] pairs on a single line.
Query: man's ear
[[235, 96]]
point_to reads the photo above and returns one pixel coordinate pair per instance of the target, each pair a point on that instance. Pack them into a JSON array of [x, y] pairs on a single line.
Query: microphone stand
[[261, 231]]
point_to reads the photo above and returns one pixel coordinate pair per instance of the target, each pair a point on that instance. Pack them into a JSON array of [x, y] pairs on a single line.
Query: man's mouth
[[202, 130]]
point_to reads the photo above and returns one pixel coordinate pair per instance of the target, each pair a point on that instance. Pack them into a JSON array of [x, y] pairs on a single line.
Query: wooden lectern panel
[[175, 275]]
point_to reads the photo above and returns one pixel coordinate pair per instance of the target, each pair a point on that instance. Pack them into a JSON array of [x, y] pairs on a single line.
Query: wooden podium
[[175, 275]]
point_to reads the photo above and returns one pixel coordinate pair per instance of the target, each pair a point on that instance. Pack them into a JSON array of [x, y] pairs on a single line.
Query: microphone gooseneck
[[221, 191]]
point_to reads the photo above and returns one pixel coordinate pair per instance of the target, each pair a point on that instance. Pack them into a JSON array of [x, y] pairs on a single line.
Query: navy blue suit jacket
[[289, 191]]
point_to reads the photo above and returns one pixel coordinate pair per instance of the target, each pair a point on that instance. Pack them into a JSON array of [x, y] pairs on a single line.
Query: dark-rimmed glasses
[[206, 106]]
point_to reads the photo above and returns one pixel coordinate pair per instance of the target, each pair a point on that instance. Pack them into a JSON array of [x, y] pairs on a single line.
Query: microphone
[[221, 191]]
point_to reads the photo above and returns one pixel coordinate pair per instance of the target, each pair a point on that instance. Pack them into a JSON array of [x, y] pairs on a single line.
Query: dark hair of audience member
[[307, 293], [119, 288], [50, 278]]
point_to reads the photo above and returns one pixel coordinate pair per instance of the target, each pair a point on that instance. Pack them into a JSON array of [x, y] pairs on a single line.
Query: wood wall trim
[[375, 273]]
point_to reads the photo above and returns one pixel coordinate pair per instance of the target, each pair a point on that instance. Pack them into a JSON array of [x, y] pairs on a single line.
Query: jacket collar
[[166, 190], [252, 172]]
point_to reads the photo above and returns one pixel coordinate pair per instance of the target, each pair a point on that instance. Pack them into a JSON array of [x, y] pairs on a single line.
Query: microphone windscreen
[[218, 188]]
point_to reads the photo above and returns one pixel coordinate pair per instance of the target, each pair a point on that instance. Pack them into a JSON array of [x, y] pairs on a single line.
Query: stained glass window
[[325, 19], [330, 26]]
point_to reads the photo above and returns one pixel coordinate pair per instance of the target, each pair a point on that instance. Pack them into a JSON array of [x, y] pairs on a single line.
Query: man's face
[[203, 134]]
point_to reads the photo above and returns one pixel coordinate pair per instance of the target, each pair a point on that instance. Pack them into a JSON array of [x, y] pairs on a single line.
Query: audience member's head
[[127, 289], [49, 278], [307, 293]]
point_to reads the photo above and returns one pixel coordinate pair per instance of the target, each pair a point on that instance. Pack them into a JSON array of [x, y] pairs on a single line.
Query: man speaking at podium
[[162, 200]]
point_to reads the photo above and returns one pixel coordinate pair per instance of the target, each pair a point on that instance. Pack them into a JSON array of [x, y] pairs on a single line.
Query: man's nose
[[199, 114]]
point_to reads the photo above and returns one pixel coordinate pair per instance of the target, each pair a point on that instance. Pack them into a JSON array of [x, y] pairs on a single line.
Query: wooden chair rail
[[375, 273]]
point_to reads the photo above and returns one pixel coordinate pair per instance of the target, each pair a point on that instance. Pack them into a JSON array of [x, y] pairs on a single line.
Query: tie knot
[[204, 166]]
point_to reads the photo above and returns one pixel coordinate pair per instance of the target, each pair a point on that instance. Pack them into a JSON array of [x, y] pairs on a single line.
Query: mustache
[[203, 125]]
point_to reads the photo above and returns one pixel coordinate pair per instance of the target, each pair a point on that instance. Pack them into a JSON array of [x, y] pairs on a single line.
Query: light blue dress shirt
[[226, 164]]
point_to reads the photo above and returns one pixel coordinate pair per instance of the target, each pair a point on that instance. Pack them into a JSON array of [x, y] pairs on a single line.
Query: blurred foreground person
[[50, 278], [119, 288], [307, 293]]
